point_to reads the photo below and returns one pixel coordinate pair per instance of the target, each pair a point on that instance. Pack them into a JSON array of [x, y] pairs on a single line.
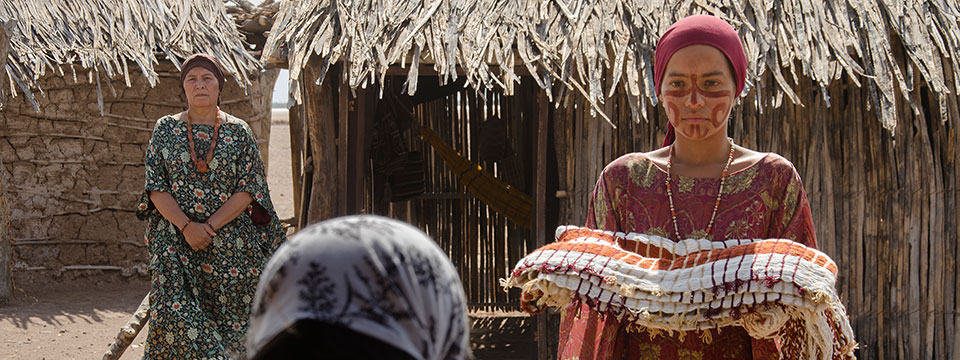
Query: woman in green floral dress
[[211, 224]]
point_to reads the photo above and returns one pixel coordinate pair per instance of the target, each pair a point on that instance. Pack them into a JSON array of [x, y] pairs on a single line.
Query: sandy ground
[[279, 173], [79, 318], [71, 320]]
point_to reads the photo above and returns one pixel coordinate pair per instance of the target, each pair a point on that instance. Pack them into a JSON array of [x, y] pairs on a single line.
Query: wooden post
[[539, 226], [296, 158], [305, 191], [5, 249], [320, 182], [343, 126], [361, 120], [129, 331]]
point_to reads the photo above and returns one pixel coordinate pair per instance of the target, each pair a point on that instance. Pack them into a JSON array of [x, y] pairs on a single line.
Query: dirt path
[[279, 175], [71, 320]]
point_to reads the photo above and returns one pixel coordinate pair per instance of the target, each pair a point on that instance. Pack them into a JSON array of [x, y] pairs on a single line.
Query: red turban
[[699, 29]]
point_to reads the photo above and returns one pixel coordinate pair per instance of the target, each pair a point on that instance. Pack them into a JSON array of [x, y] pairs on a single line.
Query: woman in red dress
[[699, 185]]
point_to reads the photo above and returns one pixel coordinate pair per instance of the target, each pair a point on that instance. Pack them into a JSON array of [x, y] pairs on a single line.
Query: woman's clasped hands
[[199, 235]]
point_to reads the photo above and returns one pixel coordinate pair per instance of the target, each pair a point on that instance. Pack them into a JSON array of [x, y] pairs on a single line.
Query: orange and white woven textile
[[773, 288]]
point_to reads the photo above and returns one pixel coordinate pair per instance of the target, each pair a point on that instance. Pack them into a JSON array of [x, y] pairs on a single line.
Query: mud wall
[[74, 176]]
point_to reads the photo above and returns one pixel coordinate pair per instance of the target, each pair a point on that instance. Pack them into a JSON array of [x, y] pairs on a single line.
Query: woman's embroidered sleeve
[[601, 212], [793, 220]]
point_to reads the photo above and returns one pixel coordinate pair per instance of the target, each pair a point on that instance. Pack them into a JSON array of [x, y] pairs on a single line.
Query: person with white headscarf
[[359, 287]]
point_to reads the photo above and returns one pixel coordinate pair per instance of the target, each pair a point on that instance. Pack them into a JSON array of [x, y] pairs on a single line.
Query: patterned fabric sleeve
[[156, 173], [254, 182], [601, 212], [794, 220], [254, 178]]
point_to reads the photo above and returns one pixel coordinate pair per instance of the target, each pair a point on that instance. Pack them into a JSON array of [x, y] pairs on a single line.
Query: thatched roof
[[103, 37], [595, 47]]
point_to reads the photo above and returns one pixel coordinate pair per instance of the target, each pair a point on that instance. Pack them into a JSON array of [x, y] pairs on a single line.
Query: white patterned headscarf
[[377, 276]]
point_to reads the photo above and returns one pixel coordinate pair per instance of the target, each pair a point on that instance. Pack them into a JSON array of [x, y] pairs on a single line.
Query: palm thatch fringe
[[105, 36], [593, 46]]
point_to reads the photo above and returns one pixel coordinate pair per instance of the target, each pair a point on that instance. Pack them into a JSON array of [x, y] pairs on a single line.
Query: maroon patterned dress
[[763, 200]]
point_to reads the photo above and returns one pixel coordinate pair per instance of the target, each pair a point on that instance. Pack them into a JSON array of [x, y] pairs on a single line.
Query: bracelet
[[210, 225], [185, 225]]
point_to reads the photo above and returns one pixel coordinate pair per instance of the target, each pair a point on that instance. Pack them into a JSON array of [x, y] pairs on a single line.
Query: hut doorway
[[468, 166], [457, 162], [466, 139]]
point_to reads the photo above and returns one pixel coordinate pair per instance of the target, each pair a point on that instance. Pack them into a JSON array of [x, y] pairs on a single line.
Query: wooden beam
[[305, 191], [5, 250], [343, 125], [540, 192], [129, 332], [296, 156], [320, 182], [278, 60], [428, 91], [361, 120], [428, 70], [354, 119]]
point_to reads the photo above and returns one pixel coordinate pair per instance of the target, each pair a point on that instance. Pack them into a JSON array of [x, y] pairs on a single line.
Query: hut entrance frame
[[336, 134], [341, 137]]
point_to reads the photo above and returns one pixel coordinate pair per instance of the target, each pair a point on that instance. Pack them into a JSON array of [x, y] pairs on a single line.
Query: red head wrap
[[699, 29]]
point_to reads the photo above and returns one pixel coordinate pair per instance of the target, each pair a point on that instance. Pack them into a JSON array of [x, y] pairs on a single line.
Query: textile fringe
[[772, 288]]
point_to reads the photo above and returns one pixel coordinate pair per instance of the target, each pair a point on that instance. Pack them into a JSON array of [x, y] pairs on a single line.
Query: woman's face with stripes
[[697, 91]]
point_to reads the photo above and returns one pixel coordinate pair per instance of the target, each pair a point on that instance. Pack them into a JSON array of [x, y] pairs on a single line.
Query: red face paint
[[675, 99], [675, 109], [695, 131], [718, 113]]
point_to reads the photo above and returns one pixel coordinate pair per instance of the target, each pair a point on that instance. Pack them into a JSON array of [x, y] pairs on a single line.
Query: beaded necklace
[[201, 163], [716, 205]]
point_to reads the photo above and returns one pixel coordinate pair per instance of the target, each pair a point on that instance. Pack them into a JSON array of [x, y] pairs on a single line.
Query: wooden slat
[[478, 240], [540, 231], [320, 120], [361, 119], [343, 136], [951, 155], [296, 156], [5, 250]]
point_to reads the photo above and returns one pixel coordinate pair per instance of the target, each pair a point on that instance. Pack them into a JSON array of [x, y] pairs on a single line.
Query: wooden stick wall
[[884, 203], [482, 244]]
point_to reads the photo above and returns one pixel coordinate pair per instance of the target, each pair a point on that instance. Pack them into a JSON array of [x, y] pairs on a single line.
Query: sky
[[281, 90]]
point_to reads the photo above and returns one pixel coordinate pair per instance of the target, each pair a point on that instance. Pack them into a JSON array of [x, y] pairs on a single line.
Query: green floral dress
[[200, 299]]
